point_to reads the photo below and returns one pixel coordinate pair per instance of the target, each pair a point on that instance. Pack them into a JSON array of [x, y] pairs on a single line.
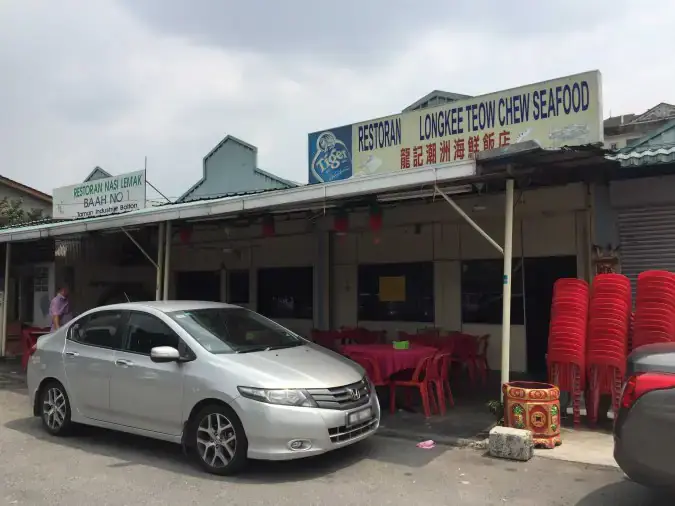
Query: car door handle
[[72, 354], [123, 363]]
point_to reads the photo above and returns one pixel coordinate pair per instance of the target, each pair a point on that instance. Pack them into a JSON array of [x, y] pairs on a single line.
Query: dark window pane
[[396, 292], [286, 292], [145, 332], [99, 329], [238, 287], [482, 291]]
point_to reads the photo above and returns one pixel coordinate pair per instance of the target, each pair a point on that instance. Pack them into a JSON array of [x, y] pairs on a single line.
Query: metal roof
[[262, 201]]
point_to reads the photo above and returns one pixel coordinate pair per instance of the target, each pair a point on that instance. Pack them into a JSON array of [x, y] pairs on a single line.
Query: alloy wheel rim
[[216, 440], [54, 408]]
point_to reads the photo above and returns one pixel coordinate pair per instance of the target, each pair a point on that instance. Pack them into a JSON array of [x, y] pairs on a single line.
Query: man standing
[[59, 309]]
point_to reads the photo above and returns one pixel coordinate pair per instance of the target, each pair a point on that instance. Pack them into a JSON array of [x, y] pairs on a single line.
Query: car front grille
[[342, 397], [344, 433]]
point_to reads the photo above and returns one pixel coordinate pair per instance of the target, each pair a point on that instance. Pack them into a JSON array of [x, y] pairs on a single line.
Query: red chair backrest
[[363, 336], [442, 361], [325, 338], [466, 345], [424, 369]]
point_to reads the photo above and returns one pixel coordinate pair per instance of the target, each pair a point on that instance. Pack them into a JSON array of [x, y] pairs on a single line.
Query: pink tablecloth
[[389, 359]]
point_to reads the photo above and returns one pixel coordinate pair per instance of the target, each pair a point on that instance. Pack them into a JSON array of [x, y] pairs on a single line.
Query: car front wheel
[[219, 440], [55, 409]]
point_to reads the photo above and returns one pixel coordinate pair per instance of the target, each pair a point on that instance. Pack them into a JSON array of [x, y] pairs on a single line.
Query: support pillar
[[506, 299], [167, 260], [160, 261], [5, 299]]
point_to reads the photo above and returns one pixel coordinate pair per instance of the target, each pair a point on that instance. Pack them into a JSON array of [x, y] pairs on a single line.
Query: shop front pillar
[[167, 260], [5, 300]]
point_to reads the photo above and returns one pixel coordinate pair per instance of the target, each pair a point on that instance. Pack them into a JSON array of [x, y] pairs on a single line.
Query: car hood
[[300, 367]]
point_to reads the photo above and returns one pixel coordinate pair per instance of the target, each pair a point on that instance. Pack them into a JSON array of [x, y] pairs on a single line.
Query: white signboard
[[110, 195]]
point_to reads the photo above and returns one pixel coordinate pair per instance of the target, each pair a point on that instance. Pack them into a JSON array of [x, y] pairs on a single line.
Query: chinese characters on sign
[[447, 151], [553, 114]]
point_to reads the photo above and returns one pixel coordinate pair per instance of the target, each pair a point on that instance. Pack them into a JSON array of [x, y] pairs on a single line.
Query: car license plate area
[[360, 416]]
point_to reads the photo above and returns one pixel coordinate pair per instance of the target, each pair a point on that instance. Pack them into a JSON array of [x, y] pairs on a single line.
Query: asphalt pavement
[[107, 468]]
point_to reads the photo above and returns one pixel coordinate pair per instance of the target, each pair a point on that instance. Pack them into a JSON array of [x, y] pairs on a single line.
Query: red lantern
[[185, 235], [268, 229], [341, 223]]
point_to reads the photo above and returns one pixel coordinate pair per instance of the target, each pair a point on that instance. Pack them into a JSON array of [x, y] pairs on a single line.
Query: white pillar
[[160, 261], [167, 260], [5, 300], [506, 302]]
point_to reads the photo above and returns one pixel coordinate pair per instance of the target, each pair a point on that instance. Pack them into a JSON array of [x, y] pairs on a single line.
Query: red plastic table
[[388, 358]]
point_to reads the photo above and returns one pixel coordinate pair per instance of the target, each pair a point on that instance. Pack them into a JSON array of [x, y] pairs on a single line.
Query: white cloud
[[87, 83]]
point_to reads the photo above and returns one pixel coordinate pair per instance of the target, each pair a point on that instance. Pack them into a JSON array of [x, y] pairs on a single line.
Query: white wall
[[548, 222]]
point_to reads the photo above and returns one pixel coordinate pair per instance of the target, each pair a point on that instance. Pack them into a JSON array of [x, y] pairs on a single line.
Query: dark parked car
[[644, 430]]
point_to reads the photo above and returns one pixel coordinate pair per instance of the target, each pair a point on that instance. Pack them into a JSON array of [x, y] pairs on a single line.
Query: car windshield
[[235, 330]]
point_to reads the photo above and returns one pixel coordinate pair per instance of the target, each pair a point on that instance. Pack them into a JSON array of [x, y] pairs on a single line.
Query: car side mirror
[[164, 354]]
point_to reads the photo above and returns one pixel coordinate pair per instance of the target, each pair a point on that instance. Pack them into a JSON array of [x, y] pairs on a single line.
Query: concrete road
[[104, 468]]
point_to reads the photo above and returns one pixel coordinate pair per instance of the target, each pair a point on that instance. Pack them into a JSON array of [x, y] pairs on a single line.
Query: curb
[[454, 441]]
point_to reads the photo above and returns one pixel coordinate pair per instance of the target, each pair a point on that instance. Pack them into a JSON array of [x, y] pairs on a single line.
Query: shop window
[[396, 292], [238, 287], [286, 293], [482, 285]]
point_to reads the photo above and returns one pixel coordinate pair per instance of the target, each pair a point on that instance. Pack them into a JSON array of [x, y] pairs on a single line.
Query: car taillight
[[640, 384]]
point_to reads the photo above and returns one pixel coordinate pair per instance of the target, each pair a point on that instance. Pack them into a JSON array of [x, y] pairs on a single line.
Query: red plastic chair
[[480, 360], [442, 362], [326, 338], [421, 379]]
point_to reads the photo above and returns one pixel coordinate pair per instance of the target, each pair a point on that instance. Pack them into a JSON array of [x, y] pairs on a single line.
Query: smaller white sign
[[111, 195]]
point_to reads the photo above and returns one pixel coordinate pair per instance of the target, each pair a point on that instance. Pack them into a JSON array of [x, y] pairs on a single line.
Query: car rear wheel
[[55, 409], [219, 440]]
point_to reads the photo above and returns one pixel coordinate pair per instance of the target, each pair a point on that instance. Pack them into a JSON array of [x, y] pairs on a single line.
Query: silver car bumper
[[271, 429]]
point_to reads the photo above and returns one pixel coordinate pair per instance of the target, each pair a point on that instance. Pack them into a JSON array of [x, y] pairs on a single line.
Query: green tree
[[13, 213]]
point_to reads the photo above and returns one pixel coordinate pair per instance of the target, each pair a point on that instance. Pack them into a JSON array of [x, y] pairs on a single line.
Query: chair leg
[[424, 392], [392, 399], [593, 402], [433, 397], [440, 395], [576, 373], [448, 390]]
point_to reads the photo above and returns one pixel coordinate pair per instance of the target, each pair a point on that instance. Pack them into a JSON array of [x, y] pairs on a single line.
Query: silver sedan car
[[224, 382]]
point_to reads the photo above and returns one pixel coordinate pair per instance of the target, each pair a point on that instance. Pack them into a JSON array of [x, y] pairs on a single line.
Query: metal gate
[[647, 240]]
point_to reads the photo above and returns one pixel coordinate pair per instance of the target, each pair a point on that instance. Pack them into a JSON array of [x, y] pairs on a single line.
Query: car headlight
[[280, 396], [369, 383]]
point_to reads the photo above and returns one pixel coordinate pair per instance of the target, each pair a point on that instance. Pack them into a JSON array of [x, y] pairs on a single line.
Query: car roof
[[168, 306]]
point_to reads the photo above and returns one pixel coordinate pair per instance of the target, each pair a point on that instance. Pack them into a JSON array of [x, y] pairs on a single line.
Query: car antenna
[[127, 297]]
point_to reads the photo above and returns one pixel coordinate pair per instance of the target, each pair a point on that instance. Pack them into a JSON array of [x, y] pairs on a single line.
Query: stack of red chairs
[[654, 308], [607, 342], [567, 339]]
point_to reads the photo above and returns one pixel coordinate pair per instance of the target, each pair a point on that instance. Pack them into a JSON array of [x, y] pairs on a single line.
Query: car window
[[99, 329], [145, 332], [234, 330]]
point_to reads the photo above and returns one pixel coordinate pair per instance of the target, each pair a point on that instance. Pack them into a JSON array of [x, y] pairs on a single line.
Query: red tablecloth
[[388, 358]]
